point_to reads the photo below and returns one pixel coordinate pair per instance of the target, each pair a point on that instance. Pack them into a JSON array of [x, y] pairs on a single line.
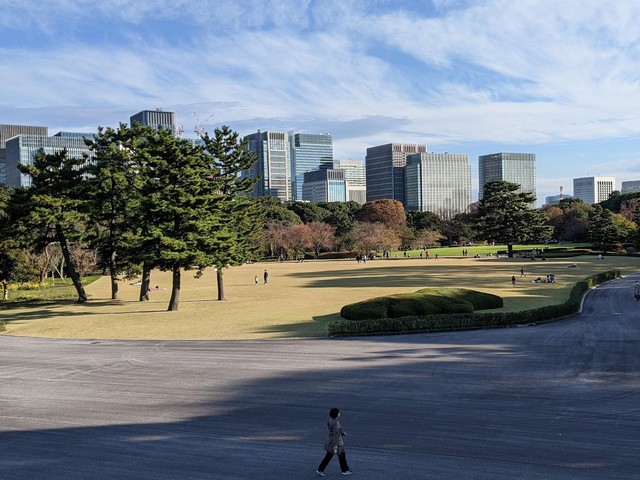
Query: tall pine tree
[[505, 216], [54, 207]]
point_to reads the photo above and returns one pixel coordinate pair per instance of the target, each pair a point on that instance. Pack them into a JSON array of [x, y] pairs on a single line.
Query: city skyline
[[557, 79]]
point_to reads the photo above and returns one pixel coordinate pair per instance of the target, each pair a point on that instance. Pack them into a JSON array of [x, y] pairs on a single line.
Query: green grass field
[[300, 298]]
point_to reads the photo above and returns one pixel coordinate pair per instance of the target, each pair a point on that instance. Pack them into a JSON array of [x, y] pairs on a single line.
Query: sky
[[560, 79]]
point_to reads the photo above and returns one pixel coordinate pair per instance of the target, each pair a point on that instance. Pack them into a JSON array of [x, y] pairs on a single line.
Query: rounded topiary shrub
[[428, 301], [417, 304], [479, 300]]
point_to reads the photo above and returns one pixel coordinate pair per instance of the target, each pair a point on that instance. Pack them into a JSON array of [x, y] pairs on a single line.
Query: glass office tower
[[517, 168], [157, 118], [309, 152], [273, 165], [355, 174], [438, 183], [10, 131], [21, 149], [385, 170], [325, 185]]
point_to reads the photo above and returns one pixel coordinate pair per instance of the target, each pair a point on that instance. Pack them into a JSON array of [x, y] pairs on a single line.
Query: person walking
[[636, 291], [522, 272], [266, 276], [513, 280], [334, 444]]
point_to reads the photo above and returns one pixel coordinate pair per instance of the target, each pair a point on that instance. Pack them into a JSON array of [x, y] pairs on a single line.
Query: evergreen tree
[[114, 196], [602, 228], [506, 216], [233, 222], [54, 207], [175, 197]]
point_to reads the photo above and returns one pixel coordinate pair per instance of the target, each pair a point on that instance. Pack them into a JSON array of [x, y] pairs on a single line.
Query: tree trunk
[[114, 276], [175, 289], [71, 269], [145, 283], [220, 285], [510, 250], [5, 290]]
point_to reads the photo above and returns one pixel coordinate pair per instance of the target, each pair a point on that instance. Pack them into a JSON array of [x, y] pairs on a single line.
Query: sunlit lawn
[[300, 298]]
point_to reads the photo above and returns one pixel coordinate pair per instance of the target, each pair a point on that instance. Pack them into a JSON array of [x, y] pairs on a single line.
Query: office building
[[21, 149], [555, 199], [385, 170], [273, 165], [438, 183], [9, 131], [519, 168], [309, 152], [157, 118], [325, 185], [593, 189], [631, 186], [355, 174]]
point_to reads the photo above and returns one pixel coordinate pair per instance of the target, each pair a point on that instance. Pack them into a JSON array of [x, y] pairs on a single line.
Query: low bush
[[457, 321], [428, 301], [479, 300]]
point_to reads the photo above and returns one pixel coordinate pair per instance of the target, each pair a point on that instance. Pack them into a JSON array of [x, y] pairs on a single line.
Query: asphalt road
[[555, 401]]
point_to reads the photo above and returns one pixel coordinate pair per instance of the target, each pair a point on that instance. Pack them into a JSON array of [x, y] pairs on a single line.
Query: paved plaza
[[554, 401]]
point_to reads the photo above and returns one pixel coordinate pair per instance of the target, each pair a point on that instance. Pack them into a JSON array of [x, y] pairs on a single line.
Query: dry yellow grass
[[299, 300]]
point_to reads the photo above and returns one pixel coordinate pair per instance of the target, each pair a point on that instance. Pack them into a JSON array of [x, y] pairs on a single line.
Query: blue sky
[[560, 79]]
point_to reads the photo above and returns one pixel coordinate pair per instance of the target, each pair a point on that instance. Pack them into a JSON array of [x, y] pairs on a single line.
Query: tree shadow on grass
[[39, 311], [420, 276]]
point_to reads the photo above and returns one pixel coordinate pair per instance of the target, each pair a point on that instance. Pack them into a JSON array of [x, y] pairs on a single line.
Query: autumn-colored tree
[[629, 209], [298, 239], [273, 238], [370, 237], [323, 237], [388, 212], [428, 238]]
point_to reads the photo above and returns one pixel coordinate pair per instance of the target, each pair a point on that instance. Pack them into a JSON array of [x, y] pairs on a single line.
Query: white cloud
[[531, 72]]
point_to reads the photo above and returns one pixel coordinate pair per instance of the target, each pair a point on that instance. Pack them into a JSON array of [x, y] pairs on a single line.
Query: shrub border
[[473, 321]]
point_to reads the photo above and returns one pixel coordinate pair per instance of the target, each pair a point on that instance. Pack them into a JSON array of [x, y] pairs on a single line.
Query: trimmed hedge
[[428, 301], [458, 321]]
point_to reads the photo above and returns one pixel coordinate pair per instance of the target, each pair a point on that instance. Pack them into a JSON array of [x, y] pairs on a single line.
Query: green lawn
[[300, 298]]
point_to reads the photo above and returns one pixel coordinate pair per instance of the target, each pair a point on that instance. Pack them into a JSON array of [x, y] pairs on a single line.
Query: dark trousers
[[342, 458]]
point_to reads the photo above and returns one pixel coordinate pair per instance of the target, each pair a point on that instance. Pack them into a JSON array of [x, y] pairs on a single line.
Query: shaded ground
[[556, 401]]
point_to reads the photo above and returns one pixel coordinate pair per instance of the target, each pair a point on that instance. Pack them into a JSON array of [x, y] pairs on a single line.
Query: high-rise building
[[9, 131], [273, 165], [631, 186], [325, 185], [157, 118], [309, 152], [385, 170], [22, 148], [355, 175], [593, 189], [519, 168], [438, 183], [555, 199]]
